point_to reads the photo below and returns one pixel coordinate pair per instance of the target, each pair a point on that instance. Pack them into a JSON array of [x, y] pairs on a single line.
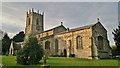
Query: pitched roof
[[78, 28], [83, 27], [52, 28]]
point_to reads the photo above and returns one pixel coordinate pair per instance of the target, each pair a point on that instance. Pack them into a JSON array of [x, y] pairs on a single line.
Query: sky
[[72, 14], [59, 0]]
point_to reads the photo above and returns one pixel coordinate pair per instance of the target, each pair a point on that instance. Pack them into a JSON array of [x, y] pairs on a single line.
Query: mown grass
[[60, 61], [10, 61]]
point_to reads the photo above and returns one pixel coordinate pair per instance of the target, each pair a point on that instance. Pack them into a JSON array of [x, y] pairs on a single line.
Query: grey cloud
[[11, 28]]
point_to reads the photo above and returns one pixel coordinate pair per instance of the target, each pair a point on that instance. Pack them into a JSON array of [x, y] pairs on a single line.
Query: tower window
[[37, 22]]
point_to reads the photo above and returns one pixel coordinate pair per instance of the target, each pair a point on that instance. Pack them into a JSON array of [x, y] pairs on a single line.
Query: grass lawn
[[60, 61]]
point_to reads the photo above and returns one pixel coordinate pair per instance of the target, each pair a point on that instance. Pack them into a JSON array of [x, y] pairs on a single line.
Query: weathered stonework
[[84, 42], [34, 23], [100, 31], [86, 34]]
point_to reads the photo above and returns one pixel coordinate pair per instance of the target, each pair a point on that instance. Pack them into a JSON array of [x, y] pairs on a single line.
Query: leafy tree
[[19, 37], [5, 44], [31, 53], [116, 33]]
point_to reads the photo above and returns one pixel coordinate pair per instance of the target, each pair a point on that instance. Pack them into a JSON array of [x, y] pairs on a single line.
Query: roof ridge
[[52, 28], [83, 27]]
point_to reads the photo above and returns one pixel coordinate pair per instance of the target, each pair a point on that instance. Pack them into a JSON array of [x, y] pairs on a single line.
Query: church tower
[[34, 22]]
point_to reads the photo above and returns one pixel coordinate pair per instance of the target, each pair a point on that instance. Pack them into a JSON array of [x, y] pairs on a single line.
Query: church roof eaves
[[83, 27], [78, 28], [51, 29]]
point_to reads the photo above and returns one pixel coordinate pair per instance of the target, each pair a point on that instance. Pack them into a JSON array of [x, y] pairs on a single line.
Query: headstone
[[45, 66]]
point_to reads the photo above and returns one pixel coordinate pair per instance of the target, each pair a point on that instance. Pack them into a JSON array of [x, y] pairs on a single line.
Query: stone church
[[88, 41]]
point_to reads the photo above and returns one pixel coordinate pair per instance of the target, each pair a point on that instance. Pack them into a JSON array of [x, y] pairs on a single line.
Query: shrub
[[31, 53], [72, 55]]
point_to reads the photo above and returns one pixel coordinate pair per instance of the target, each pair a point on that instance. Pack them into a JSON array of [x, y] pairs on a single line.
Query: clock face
[[38, 27]]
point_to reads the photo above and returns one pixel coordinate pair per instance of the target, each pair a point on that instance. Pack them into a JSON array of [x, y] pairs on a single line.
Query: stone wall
[[34, 23], [52, 49], [49, 35], [86, 42], [100, 31], [86, 34]]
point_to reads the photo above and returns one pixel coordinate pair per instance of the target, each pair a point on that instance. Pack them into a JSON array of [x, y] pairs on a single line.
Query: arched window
[[100, 42], [56, 45], [79, 42], [37, 25], [70, 46], [37, 22], [47, 45]]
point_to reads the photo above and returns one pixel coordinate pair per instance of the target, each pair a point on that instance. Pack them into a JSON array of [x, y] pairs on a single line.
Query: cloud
[[11, 28]]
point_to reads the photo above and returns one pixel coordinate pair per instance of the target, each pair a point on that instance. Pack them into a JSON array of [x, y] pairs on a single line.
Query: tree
[[116, 33], [5, 44], [31, 53], [19, 37]]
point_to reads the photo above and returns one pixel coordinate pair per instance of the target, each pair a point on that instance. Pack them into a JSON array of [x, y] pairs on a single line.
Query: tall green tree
[[19, 37], [116, 33], [5, 44], [31, 53]]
